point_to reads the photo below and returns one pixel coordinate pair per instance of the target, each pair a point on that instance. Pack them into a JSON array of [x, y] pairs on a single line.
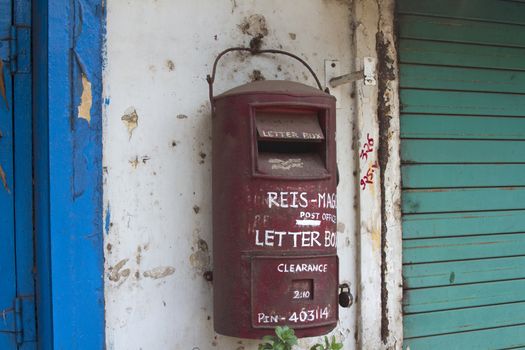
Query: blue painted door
[[17, 289]]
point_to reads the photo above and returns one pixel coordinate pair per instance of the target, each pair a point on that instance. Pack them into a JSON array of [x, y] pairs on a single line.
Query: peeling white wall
[[380, 324], [157, 165]]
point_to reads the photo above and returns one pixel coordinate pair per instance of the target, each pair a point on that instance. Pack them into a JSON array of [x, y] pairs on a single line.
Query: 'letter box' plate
[[288, 126]]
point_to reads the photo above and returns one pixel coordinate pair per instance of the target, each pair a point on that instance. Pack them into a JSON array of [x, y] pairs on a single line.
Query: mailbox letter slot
[[291, 144]]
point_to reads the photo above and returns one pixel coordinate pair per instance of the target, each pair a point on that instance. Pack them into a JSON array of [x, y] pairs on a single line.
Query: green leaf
[[284, 339], [269, 338], [289, 337], [317, 347], [293, 340], [280, 331], [286, 335], [335, 345]]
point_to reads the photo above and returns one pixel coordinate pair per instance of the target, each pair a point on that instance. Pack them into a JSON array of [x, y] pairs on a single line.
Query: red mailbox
[[274, 210]]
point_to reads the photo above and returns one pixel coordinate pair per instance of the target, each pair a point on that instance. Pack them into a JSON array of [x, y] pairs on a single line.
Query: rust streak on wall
[[386, 74]]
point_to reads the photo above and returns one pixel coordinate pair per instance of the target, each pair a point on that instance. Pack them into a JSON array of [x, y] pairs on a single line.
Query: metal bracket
[[331, 70], [368, 74], [370, 64]]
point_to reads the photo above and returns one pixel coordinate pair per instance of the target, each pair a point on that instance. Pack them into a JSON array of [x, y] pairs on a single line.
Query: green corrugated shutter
[[462, 90]]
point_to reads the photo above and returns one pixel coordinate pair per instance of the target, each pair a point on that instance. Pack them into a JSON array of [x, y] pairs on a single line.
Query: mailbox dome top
[[274, 87]]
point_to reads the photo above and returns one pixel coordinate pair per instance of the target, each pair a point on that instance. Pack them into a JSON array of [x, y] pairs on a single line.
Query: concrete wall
[[157, 169], [379, 311]]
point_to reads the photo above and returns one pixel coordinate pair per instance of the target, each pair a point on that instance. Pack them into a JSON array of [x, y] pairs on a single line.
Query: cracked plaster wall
[[157, 166]]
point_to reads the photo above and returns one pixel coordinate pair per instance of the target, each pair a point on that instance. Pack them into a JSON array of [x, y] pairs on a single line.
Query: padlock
[[345, 297]]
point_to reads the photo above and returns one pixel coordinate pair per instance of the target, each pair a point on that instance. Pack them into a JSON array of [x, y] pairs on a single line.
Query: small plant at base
[[334, 345], [284, 339]]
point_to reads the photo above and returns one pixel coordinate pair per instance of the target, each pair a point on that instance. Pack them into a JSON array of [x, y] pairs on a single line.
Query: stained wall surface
[[157, 153]]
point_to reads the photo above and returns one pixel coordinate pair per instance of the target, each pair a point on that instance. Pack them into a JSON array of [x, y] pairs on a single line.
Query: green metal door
[[462, 91]]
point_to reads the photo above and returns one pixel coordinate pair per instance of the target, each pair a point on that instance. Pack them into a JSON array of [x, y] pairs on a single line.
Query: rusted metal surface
[[274, 211]]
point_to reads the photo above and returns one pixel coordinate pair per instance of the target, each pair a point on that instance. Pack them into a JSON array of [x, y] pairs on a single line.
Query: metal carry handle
[[211, 78]]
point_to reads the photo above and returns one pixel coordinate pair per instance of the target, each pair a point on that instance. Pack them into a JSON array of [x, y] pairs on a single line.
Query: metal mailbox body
[[274, 210]]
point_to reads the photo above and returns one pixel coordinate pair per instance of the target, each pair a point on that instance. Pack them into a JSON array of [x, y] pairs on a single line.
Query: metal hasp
[[274, 210], [368, 74]]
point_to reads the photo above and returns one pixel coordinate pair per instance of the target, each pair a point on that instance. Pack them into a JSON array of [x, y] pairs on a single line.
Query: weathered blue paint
[[7, 223], [23, 181], [107, 222], [73, 254], [17, 288]]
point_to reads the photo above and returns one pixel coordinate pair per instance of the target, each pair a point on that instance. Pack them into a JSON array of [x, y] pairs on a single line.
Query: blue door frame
[[67, 63], [17, 287]]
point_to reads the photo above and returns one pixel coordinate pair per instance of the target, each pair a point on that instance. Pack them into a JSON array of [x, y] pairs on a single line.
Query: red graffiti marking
[[367, 147], [369, 177]]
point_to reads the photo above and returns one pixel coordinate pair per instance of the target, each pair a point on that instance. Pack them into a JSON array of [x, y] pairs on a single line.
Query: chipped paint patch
[[254, 25], [2, 84], [170, 65], [136, 161], [200, 260], [86, 100], [4, 179], [116, 272], [138, 255], [159, 272], [256, 75], [130, 119]]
